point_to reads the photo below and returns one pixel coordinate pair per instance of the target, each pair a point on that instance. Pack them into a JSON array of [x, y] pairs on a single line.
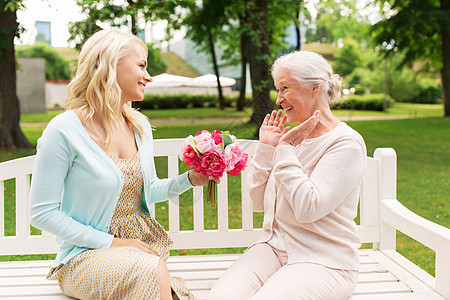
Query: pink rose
[[212, 164], [189, 156], [233, 154], [206, 145], [217, 136], [239, 166], [202, 135]]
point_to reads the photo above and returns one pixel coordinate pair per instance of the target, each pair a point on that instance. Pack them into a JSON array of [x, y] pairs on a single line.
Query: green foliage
[[404, 83], [414, 28], [56, 66], [174, 101], [429, 94], [363, 102], [338, 20], [155, 65], [122, 13], [348, 58]]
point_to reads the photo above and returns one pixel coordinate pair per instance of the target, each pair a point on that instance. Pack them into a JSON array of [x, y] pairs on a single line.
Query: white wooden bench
[[384, 273]]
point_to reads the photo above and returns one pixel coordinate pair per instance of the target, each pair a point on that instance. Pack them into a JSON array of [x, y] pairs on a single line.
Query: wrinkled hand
[[198, 179], [118, 242], [297, 134], [272, 128]]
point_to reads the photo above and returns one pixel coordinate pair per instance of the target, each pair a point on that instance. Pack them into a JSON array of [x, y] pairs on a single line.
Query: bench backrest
[[22, 242]]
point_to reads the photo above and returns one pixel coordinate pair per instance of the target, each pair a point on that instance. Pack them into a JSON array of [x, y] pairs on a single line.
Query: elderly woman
[[306, 180]]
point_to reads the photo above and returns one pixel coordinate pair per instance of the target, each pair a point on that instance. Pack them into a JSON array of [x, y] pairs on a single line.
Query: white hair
[[310, 68]]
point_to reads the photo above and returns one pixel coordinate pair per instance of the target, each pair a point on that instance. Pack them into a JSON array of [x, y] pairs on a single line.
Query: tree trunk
[[297, 30], [259, 56], [240, 105], [11, 136], [445, 72], [131, 4], [216, 70]]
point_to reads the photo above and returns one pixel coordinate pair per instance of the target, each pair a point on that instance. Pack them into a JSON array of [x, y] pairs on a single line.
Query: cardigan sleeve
[[260, 169], [164, 189], [53, 162], [160, 189], [336, 174]]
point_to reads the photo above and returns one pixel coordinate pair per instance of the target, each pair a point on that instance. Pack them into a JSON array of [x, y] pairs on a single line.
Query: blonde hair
[[311, 68], [95, 90]]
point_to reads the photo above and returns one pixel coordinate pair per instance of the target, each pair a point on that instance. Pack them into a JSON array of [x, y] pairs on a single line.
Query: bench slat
[[247, 213], [174, 203], [200, 273], [395, 296], [199, 221], [22, 217], [2, 209], [381, 288], [222, 204]]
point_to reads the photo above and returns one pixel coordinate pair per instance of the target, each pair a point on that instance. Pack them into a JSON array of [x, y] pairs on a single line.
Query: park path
[[232, 120]]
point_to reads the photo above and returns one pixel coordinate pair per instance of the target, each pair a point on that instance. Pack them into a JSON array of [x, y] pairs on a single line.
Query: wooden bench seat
[[383, 273], [26, 279]]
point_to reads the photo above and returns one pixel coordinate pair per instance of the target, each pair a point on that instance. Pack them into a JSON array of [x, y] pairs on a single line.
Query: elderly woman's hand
[[297, 134], [272, 128]]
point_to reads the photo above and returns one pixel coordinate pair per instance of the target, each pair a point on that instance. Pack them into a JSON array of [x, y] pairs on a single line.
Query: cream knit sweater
[[312, 191]]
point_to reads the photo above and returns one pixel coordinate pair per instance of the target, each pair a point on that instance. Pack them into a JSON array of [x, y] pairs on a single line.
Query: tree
[[259, 58], [122, 13], [56, 65], [348, 57], [338, 20], [204, 23], [421, 30], [11, 135]]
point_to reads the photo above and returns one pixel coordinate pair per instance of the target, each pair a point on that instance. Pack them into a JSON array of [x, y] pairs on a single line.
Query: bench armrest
[[394, 216], [432, 235]]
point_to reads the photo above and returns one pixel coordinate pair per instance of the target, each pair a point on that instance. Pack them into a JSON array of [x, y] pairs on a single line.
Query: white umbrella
[[168, 80], [210, 80]]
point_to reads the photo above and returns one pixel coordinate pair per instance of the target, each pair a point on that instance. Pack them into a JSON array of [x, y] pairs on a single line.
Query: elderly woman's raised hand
[[297, 134], [272, 128]]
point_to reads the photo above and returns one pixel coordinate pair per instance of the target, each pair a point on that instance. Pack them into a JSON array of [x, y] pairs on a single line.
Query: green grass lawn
[[422, 146], [192, 114]]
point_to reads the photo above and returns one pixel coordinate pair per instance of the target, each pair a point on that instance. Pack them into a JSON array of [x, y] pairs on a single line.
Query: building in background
[[43, 32]]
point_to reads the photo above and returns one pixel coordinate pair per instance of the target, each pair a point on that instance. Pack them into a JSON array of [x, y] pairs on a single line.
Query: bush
[[169, 101], [429, 95], [359, 90], [56, 66], [363, 102]]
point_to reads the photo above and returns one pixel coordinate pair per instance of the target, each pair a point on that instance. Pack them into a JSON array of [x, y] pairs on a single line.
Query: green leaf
[[226, 140]]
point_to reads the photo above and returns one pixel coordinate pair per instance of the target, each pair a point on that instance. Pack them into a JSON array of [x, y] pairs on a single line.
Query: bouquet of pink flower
[[212, 154]]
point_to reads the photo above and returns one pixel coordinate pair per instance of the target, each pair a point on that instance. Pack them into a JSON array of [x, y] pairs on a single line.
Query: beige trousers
[[262, 273]]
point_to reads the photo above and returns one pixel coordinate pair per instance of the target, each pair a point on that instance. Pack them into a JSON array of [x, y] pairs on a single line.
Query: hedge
[[171, 101], [168, 101], [363, 102]]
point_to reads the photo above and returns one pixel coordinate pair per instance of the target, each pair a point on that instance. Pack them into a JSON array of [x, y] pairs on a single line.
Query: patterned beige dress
[[122, 272]]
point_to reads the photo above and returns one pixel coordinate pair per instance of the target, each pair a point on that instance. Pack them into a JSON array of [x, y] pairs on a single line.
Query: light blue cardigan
[[75, 185]]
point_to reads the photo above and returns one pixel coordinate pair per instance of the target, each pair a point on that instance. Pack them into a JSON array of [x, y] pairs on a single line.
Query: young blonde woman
[[306, 181], [94, 181]]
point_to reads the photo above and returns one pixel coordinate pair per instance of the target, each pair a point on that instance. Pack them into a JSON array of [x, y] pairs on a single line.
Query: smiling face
[[132, 75], [297, 99]]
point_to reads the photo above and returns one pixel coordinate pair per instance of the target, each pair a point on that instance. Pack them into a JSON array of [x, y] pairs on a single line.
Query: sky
[[60, 13]]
